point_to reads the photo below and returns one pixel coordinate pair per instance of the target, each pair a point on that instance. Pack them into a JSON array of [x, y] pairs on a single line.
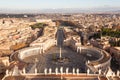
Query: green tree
[[38, 25]]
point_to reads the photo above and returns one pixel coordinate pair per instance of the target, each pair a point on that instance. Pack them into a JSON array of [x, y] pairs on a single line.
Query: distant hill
[[63, 10]]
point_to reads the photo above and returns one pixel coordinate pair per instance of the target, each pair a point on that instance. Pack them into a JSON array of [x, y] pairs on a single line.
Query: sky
[[55, 4]]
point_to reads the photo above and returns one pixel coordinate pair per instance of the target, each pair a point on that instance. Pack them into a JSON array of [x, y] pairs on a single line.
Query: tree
[[38, 25]]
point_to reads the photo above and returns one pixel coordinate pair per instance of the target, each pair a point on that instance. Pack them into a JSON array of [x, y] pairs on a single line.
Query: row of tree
[[115, 33], [110, 32], [38, 25]]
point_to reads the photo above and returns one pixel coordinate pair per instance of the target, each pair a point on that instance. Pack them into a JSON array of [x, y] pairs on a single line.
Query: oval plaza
[[61, 58]]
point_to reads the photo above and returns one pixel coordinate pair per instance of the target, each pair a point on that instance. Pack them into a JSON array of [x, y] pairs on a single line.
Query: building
[[4, 63], [115, 52]]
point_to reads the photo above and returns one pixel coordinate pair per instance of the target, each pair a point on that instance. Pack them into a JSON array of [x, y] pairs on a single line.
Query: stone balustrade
[[57, 71]]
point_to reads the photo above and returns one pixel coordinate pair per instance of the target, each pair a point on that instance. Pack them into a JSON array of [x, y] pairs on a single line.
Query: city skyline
[[56, 4], [59, 40]]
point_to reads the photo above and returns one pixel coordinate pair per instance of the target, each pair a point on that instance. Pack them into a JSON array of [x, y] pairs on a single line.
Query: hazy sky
[[43, 4]]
